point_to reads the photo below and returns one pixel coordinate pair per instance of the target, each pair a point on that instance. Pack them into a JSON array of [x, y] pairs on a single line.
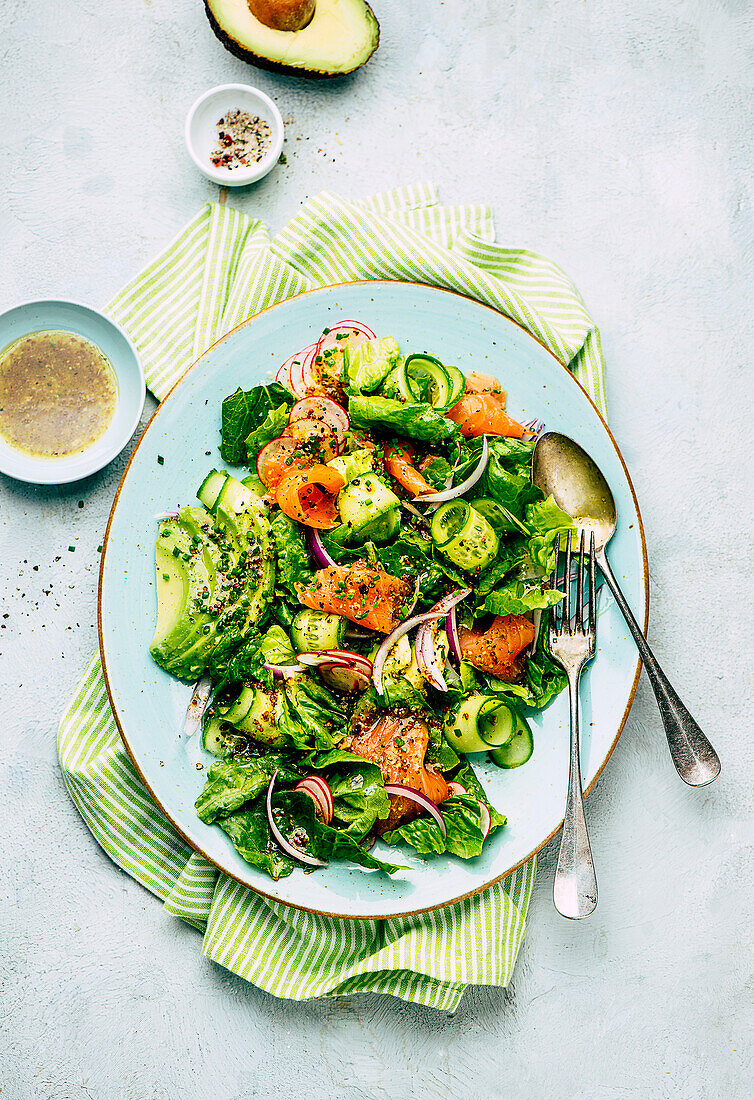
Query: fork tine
[[578, 617], [554, 610], [567, 587], [592, 592]]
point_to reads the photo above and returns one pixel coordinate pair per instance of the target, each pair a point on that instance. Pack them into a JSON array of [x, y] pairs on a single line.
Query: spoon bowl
[[562, 469]]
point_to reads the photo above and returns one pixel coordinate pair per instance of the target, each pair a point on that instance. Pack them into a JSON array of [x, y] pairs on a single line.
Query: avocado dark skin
[[245, 54]]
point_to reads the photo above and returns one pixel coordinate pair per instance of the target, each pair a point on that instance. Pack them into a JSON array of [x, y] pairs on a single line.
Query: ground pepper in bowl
[[242, 140]]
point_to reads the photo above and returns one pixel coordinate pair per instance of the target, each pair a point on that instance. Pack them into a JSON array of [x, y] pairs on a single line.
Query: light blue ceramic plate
[[149, 705], [110, 339]]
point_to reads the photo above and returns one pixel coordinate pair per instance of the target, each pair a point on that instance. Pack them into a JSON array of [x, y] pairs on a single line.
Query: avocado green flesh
[[219, 579], [341, 36]]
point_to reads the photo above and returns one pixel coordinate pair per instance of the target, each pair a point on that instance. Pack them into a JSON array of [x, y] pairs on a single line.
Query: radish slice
[[459, 490], [485, 820], [400, 790], [533, 429], [314, 660], [319, 791], [330, 339], [349, 655], [324, 409], [343, 678], [284, 670], [270, 451], [289, 849], [165, 515], [456, 788], [317, 551], [197, 705], [292, 373]]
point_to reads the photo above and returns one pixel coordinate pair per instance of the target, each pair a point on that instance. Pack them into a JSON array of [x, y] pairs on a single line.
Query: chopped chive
[[160, 460]]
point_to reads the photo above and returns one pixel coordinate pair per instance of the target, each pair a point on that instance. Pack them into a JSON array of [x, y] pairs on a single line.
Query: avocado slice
[[341, 36], [214, 578]]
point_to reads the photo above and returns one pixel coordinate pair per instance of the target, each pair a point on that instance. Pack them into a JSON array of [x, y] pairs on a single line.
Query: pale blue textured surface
[[614, 137]]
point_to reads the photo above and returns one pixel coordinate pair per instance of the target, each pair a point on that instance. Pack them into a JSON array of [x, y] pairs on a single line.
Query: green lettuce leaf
[[291, 556], [231, 783], [418, 421], [274, 425], [371, 362], [243, 412], [518, 598], [546, 521], [321, 840], [250, 834]]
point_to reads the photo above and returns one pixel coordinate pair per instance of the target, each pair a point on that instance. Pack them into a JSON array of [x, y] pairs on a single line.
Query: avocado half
[[342, 36]]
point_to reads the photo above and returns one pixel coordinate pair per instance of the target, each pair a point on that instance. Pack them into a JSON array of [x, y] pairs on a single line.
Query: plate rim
[[105, 543]]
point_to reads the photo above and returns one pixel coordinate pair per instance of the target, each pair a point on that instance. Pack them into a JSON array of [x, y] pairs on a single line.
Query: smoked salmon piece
[[484, 414], [361, 592], [398, 745], [496, 650]]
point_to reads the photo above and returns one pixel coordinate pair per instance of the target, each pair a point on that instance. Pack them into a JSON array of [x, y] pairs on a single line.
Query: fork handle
[[575, 888], [695, 760]]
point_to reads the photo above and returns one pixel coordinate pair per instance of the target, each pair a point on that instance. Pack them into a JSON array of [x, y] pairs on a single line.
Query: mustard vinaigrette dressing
[[58, 394]]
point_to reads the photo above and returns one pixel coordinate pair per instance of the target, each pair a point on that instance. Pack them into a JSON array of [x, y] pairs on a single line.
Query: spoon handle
[[695, 760]]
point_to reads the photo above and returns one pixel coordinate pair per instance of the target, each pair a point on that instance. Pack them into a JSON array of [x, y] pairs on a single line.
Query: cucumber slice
[[497, 723], [449, 521], [380, 529], [210, 488], [235, 497], [365, 500], [461, 727], [219, 739], [426, 371], [457, 384], [518, 749], [464, 535], [399, 387], [238, 710], [315, 631]]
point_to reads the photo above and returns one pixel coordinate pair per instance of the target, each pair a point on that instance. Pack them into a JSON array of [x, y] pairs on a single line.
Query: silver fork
[[572, 646]]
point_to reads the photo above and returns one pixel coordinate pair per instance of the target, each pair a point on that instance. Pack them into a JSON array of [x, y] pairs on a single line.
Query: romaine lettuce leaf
[[371, 362], [292, 560], [547, 521], [250, 834], [323, 841], [273, 425], [518, 598], [418, 421], [244, 411], [231, 783]]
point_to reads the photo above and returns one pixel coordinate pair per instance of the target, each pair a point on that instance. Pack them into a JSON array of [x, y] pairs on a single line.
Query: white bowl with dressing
[[84, 321], [202, 132]]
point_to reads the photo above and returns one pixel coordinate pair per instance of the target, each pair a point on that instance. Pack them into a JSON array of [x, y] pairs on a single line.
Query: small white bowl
[[201, 132], [109, 338]]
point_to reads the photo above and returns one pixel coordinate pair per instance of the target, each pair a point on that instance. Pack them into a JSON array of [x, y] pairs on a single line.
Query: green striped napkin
[[221, 269]]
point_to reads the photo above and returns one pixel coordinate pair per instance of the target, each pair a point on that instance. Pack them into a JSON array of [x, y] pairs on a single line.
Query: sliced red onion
[[400, 790], [451, 629], [485, 819], [357, 635], [197, 705], [165, 515], [318, 789], [314, 660], [466, 484], [342, 678], [456, 788], [414, 511], [426, 636], [441, 608], [284, 670], [316, 549], [289, 849]]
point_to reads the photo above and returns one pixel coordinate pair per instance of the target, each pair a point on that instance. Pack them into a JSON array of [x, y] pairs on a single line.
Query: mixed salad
[[363, 612]]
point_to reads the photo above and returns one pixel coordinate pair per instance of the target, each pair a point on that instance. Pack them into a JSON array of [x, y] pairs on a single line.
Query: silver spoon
[[561, 468]]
